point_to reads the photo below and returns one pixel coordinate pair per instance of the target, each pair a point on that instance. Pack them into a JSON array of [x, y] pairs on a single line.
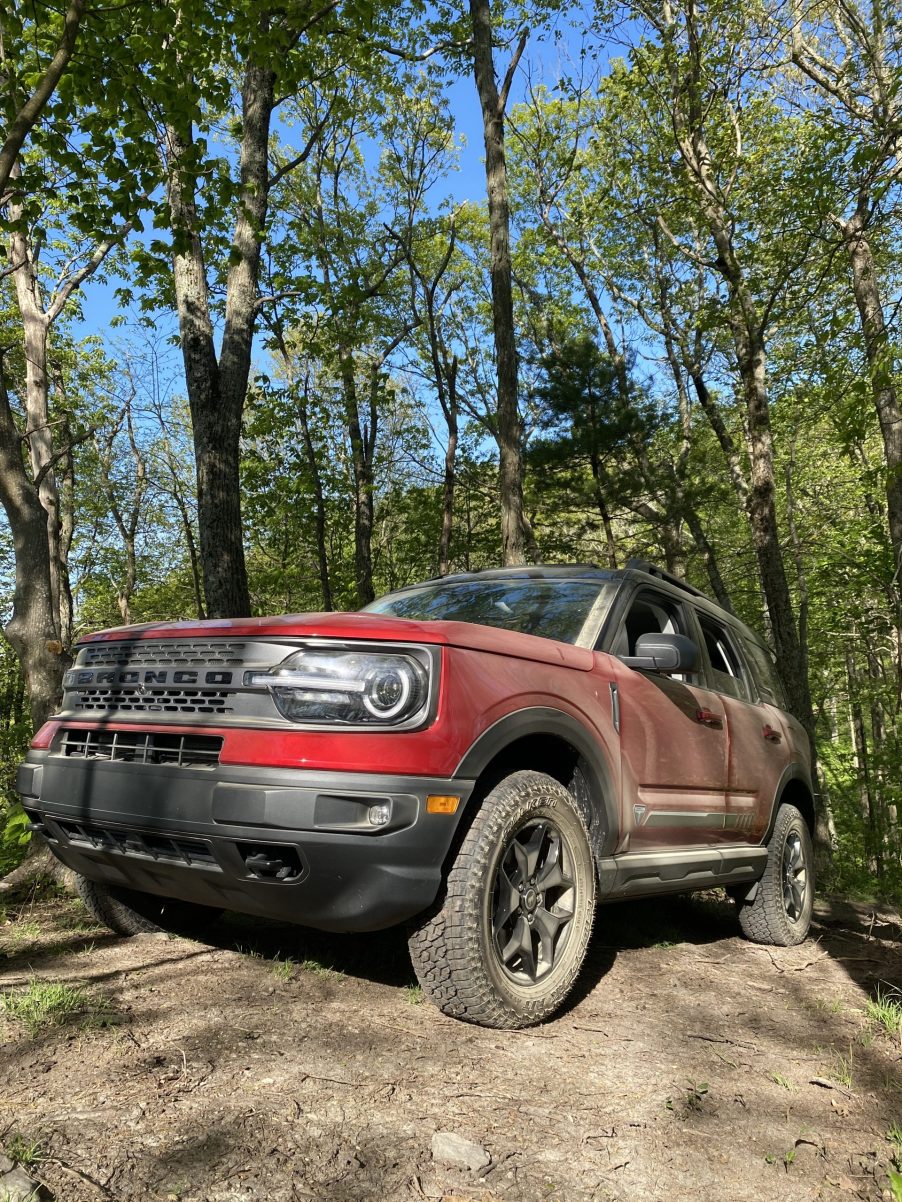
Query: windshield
[[552, 609]]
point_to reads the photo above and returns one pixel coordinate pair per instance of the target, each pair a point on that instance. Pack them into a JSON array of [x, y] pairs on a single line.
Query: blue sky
[[543, 58]]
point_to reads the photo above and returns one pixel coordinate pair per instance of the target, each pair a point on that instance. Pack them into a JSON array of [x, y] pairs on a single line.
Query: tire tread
[[764, 920], [442, 948]]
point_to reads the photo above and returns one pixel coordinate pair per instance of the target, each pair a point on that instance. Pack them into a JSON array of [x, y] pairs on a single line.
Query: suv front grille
[[140, 747], [163, 651], [140, 843], [155, 700]]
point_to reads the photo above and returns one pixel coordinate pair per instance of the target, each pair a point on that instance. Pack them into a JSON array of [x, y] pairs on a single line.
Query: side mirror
[[671, 653]]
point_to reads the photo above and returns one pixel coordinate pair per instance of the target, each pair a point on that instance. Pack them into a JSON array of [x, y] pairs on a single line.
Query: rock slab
[[451, 1149], [17, 1186]]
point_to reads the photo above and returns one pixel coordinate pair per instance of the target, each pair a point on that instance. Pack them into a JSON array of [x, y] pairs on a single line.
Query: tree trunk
[[193, 558], [35, 328], [880, 364], [863, 765], [448, 483], [32, 630], [605, 514], [66, 493], [363, 481], [792, 654], [217, 389], [509, 430], [319, 518], [712, 567]]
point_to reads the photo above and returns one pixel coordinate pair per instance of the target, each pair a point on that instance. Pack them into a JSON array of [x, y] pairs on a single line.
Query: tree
[[23, 111], [64, 236], [267, 47], [851, 61], [508, 426], [690, 73], [588, 420]]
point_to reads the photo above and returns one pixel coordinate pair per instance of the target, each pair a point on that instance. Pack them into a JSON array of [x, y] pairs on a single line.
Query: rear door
[[673, 738], [756, 735]]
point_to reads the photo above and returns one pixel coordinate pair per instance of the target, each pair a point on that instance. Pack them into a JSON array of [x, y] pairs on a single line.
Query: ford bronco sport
[[484, 756]]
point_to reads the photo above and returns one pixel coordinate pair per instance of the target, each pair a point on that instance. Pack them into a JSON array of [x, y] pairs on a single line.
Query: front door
[[673, 740]]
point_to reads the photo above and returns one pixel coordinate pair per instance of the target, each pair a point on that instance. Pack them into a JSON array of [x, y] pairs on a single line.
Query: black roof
[[567, 571], [593, 572]]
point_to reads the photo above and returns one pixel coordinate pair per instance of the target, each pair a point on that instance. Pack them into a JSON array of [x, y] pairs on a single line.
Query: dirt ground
[[280, 1064]]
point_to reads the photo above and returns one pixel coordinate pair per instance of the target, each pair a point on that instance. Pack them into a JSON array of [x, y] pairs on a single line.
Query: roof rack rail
[[645, 565], [525, 568]]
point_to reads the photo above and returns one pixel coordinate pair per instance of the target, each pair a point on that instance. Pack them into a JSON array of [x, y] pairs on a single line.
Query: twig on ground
[[69, 1168], [736, 1043]]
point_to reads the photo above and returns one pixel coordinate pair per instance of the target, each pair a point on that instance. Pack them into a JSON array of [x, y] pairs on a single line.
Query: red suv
[[486, 755]]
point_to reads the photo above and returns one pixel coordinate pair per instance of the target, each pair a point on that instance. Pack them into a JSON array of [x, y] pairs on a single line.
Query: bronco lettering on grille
[[82, 677]]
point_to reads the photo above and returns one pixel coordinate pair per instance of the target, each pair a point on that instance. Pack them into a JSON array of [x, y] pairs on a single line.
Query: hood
[[375, 627]]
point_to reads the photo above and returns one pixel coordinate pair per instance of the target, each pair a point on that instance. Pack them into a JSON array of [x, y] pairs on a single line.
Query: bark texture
[[32, 630], [880, 365], [508, 431], [217, 387]]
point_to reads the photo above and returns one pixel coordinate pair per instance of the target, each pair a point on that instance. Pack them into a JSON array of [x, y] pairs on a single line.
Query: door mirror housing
[[669, 653]]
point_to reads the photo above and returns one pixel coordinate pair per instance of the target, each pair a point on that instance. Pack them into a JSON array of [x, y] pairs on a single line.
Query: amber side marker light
[[436, 804], [45, 735]]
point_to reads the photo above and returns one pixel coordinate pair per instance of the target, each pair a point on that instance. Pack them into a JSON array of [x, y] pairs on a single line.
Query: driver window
[[649, 613]]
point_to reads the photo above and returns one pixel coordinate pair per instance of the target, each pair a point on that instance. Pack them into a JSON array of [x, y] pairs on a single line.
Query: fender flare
[[544, 720], [794, 771]]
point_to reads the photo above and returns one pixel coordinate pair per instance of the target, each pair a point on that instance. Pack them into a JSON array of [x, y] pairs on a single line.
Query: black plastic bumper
[[295, 845]]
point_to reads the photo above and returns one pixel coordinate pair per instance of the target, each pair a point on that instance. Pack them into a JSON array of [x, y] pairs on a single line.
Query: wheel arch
[[550, 741], [794, 789]]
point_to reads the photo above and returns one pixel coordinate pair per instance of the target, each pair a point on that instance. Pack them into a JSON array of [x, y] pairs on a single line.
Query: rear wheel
[[509, 938], [128, 912], [780, 912]]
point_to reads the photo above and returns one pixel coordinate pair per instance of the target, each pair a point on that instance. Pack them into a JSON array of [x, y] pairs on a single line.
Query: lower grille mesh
[[142, 747], [141, 843]]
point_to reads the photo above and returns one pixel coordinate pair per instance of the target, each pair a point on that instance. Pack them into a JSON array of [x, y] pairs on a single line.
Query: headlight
[[348, 687]]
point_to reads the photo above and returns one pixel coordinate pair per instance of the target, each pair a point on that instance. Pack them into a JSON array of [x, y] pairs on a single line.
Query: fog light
[[380, 814]]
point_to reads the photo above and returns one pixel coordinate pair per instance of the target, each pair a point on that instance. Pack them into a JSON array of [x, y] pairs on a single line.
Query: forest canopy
[[276, 337]]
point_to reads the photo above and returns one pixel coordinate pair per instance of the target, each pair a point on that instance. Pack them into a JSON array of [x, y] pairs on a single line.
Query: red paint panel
[[674, 764], [476, 690], [377, 627], [756, 765]]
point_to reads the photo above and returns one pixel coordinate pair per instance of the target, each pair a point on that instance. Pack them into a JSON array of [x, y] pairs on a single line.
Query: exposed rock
[[460, 1152], [17, 1186]]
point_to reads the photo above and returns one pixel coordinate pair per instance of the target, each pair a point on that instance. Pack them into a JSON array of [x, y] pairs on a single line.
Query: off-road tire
[[775, 915], [455, 954], [128, 912]]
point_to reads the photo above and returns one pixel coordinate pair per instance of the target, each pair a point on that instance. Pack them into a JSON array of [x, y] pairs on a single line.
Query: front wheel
[[780, 913], [506, 944], [128, 912]]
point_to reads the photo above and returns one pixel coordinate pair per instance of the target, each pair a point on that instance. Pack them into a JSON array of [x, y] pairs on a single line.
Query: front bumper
[[288, 844]]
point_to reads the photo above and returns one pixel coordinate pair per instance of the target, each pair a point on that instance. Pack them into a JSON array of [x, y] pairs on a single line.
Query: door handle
[[709, 718], [772, 736]]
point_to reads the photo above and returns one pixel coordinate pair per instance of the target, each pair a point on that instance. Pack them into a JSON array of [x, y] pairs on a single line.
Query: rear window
[[765, 673], [727, 675], [551, 609]]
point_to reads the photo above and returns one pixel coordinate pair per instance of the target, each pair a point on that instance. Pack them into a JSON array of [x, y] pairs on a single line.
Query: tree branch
[[28, 114], [288, 167], [509, 74], [74, 282]]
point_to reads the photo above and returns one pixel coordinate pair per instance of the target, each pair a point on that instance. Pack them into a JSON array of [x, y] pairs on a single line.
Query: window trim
[[664, 598], [734, 644]]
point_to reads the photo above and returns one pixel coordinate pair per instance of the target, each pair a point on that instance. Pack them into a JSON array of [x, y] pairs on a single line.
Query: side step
[[642, 874]]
